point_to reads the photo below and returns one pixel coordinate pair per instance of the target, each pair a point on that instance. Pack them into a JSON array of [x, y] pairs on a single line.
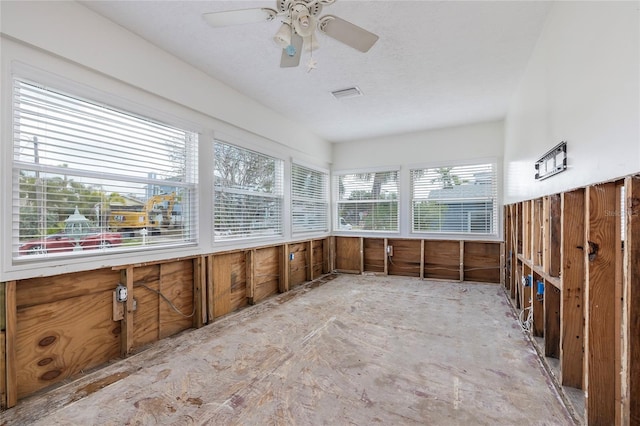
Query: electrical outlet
[[291, 256], [389, 250], [121, 293]]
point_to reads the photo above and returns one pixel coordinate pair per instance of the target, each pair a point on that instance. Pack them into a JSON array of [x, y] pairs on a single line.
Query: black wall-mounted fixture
[[553, 162]]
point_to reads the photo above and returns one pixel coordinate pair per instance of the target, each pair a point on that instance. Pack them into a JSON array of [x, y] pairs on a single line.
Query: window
[[89, 179], [308, 199], [248, 195], [456, 199], [367, 201]]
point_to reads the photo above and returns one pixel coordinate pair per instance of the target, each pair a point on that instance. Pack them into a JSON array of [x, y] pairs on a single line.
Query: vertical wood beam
[[309, 260], [546, 234], [210, 291], [461, 271], [250, 288], [386, 257], [421, 259], [126, 325], [599, 258], [283, 283], [514, 248], [619, 271], [554, 235], [572, 277], [11, 324], [631, 305], [361, 255], [326, 256], [199, 292], [502, 265]]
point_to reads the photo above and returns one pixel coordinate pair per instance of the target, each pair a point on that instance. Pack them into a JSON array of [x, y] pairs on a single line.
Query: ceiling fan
[[300, 19]]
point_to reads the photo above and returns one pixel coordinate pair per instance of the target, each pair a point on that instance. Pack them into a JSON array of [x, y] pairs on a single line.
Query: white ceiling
[[436, 64]]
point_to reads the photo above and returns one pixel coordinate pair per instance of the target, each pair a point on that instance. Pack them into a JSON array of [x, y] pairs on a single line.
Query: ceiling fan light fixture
[[283, 36]]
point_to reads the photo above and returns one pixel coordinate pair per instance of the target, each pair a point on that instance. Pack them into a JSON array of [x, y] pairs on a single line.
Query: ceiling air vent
[[351, 92]]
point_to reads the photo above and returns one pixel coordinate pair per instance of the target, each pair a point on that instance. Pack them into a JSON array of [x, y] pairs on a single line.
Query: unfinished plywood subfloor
[[355, 350]]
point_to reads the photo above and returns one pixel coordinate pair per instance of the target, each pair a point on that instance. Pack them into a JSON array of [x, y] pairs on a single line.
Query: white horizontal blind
[[308, 199], [85, 176], [367, 201], [456, 199], [248, 194]]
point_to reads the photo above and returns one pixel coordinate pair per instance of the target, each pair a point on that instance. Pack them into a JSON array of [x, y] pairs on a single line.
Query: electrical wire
[[174, 307]]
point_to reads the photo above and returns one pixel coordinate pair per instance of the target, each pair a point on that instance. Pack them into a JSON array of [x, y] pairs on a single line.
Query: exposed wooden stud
[[127, 325], [283, 285], [502, 265], [209, 291], [599, 258], [631, 306], [461, 262], [619, 270], [572, 297], [537, 232], [386, 258], [310, 260], [527, 240], [553, 252], [422, 259], [361, 241], [249, 257], [546, 234], [199, 291], [326, 256], [11, 331]]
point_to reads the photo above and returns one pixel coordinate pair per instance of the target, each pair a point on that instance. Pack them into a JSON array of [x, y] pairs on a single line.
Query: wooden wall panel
[[298, 265], [600, 260], [442, 259], [406, 259], [57, 340], [35, 291], [319, 263], [228, 278], [266, 272], [176, 284], [348, 254], [482, 261], [146, 318], [551, 321], [374, 255], [573, 276]]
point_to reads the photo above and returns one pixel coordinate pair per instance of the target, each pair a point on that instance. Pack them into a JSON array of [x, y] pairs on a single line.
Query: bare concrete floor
[[356, 350]]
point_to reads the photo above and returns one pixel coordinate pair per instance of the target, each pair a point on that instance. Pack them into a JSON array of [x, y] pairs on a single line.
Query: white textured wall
[[581, 86], [460, 143]]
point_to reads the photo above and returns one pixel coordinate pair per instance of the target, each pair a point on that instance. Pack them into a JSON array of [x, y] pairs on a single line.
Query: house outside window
[[367, 201], [309, 203], [248, 194], [455, 199], [90, 179]]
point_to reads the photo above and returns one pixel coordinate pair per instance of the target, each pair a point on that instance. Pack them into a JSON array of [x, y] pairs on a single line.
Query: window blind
[[88, 177], [308, 199], [248, 193], [455, 199], [367, 201]]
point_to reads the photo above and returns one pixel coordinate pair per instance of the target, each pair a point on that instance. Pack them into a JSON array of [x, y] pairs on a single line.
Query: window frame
[[279, 185], [324, 210], [82, 95], [347, 227], [466, 235]]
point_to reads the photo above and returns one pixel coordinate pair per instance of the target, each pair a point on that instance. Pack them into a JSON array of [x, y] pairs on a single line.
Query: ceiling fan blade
[[347, 33], [240, 16], [292, 61]]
